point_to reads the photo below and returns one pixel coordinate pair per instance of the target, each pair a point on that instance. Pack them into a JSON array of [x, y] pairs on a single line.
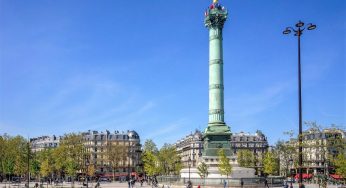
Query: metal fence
[[233, 182]]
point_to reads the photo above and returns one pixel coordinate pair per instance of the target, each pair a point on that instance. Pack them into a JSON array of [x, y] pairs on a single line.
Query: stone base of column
[[214, 141], [217, 127]]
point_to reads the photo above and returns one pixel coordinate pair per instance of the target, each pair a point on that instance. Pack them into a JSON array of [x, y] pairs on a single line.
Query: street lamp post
[[291, 174], [28, 165], [87, 171], [298, 31], [189, 163], [129, 164]]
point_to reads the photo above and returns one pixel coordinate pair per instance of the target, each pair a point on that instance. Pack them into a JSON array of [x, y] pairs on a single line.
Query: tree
[[2, 155], [149, 162], [13, 155], [74, 153], [115, 155], [20, 147], [8, 156], [91, 170], [288, 153], [245, 158], [168, 160], [340, 164], [46, 162], [71, 167], [225, 168], [330, 146], [60, 159], [270, 163], [149, 145], [203, 170], [35, 166]]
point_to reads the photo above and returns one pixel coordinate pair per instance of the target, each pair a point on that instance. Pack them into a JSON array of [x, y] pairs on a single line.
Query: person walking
[[266, 183]]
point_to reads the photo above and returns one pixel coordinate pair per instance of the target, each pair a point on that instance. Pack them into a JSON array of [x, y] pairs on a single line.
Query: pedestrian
[[266, 183], [189, 184], [224, 183], [97, 184], [286, 184], [241, 183]]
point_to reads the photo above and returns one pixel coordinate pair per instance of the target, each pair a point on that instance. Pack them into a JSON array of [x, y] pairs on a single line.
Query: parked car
[[15, 179], [104, 179]]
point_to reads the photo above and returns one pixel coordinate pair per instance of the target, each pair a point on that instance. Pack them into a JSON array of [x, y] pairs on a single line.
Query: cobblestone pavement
[[125, 185], [76, 185]]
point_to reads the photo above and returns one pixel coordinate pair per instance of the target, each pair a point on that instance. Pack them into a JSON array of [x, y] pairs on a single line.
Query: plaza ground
[[137, 185]]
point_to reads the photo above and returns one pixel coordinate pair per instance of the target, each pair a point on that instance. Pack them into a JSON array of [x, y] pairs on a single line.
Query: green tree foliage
[[74, 152], [66, 159], [47, 162], [340, 165], [165, 161], [13, 155], [288, 154], [149, 145], [150, 163], [330, 147], [246, 158], [203, 170], [2, 154], [116, 155], [270, 163], [169, 161], [60, 159], [91, 170], [35, 166], [225, 168]]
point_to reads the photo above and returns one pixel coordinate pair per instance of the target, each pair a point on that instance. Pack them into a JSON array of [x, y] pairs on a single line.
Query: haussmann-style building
[[44, 142], [190, 147], [118, 151]]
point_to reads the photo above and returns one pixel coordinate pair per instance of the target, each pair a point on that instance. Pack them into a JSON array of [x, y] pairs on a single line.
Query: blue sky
[[70, 66]]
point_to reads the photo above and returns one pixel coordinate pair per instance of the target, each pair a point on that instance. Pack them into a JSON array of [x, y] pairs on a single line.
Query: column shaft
[[216, 88]]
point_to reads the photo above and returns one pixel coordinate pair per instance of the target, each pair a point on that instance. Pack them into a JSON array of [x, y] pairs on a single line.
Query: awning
[[305, 176], [336, 176], [109, 175]]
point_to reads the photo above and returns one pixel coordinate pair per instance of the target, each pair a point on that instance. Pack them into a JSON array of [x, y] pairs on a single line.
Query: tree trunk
[[113, 174]]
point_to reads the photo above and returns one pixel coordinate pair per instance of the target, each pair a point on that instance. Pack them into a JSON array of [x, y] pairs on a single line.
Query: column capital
[[215, 16]]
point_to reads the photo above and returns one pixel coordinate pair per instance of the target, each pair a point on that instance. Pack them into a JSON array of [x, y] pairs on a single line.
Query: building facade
[[320, 147], [44, 142], [256, 143], [113, 151], [191, 147]]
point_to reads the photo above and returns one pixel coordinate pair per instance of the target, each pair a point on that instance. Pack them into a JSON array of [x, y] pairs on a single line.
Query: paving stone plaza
[[125, 185]]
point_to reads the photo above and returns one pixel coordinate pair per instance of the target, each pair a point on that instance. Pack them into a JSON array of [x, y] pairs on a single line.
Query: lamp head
[[311, 26], [287, 31], [300, 24]]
